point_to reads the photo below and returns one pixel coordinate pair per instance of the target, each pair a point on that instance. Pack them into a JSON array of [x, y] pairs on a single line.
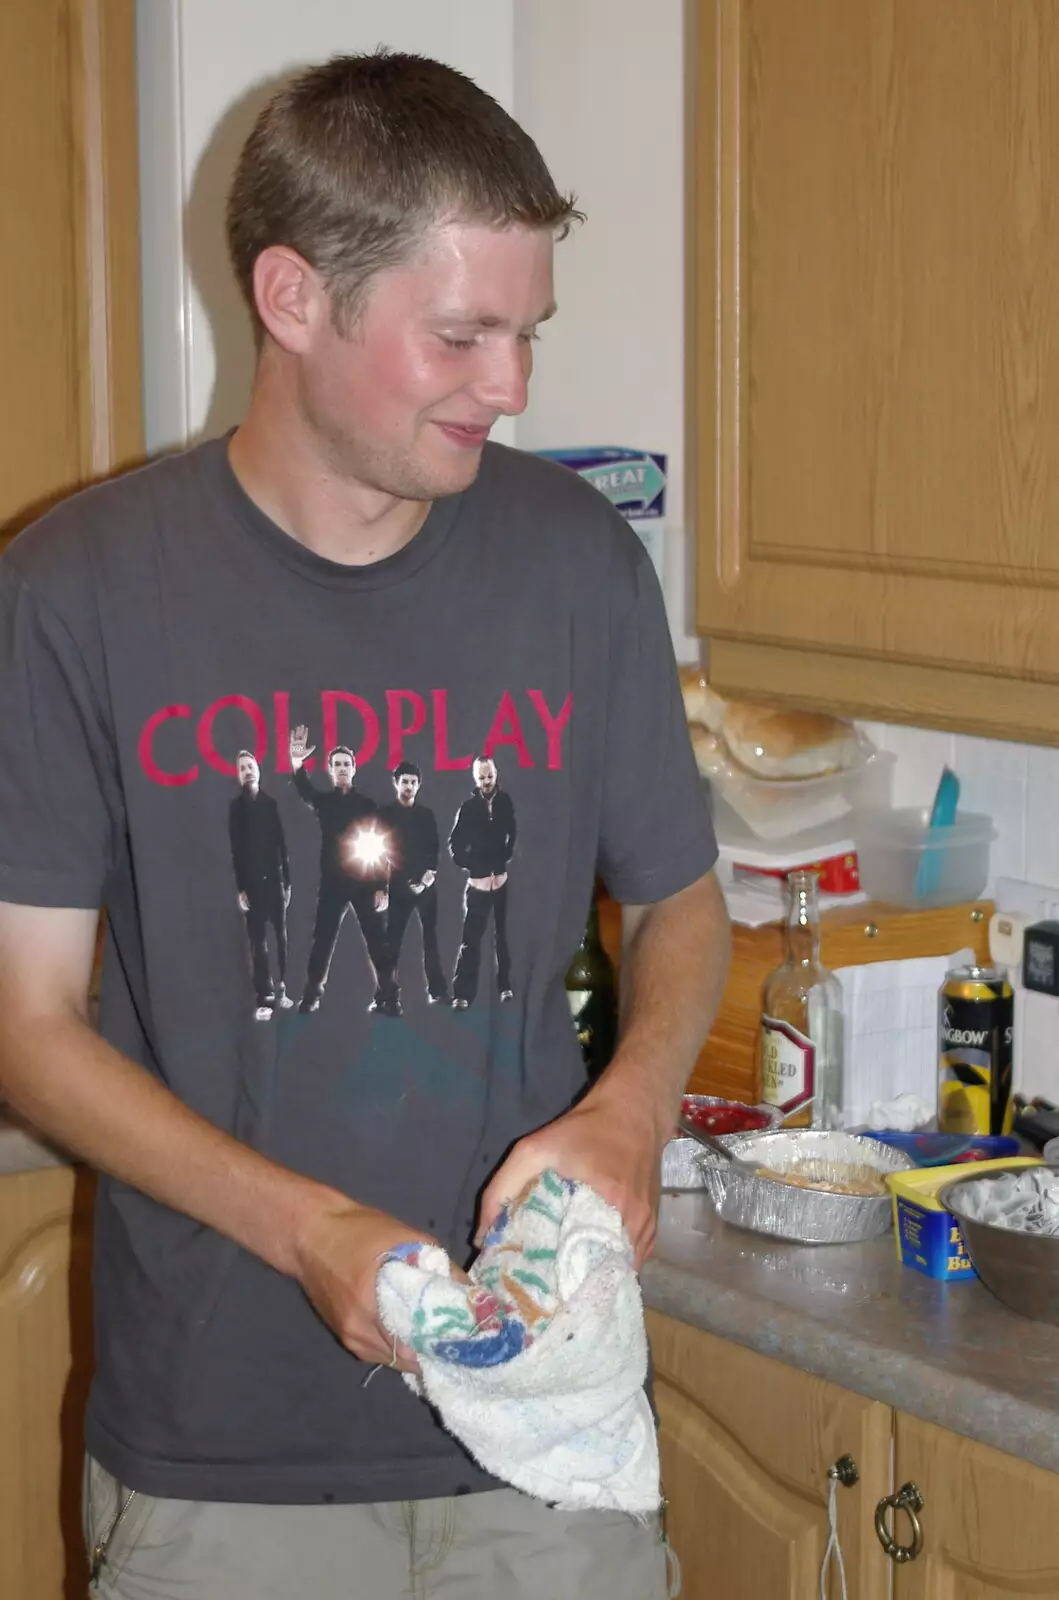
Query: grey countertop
[[949, 1353]]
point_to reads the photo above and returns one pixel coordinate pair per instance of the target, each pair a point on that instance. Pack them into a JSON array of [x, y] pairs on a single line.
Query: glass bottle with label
[[593, 997], [801, 1028]]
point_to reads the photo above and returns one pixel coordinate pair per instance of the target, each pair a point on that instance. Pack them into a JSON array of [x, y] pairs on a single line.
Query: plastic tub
[[904, 862], [774, 808]]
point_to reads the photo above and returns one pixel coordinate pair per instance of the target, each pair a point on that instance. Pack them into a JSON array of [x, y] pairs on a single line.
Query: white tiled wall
[[1018, 786]]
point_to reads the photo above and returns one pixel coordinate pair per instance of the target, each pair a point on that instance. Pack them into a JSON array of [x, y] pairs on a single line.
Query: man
[[393, 231], [262, 879], [413, 846], [482, 842], [352, 857]]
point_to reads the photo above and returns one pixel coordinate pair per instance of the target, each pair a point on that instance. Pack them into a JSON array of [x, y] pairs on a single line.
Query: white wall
[[598, 84], [205, 67]]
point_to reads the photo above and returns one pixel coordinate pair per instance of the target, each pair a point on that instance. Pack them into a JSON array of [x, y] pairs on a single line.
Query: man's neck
[[279, 465]]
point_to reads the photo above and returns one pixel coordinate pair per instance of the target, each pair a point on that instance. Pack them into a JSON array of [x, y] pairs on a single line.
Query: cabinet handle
[[908, 1498]]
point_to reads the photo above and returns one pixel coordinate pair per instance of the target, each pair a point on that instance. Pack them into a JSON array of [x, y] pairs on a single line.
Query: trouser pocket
[[113, 1517]]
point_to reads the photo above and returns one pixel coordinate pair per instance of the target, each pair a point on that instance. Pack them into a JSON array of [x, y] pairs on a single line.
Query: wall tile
[[1037, 1044], [921, 755], [989, 758], [1042, 816]]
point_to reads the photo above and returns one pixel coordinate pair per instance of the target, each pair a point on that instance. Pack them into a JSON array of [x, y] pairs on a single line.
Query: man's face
[[342, 768], [485, 777], [407, 788], [441, 348], [249, 772]]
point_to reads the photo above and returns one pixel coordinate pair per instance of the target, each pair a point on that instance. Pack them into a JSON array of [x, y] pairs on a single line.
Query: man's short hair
[[406, 769], [480, 761], [341, 750], [356, 159], [248, 755]]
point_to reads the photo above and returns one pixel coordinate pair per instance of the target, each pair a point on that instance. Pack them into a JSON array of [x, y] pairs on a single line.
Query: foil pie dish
[[787, 1211]]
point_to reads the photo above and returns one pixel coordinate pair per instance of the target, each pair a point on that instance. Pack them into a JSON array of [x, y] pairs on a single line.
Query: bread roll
[[787, 744], [709, 755], [694, 688]]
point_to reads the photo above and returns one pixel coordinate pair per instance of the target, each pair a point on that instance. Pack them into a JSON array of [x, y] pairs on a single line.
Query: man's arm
[[674, 965], [458, 838], [100, 1105]]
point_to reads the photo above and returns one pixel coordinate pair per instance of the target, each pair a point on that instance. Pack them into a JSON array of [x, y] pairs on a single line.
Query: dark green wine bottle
[[593, 996]]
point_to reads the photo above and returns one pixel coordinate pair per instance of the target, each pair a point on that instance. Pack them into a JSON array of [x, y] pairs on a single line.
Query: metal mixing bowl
[[1021, 1269], [807, 1216]]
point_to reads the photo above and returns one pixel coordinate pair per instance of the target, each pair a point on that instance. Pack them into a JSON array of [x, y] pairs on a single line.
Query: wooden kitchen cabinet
[[990, 1522], [70, 391], [746, 1443], [45, 1363], [875, 409]]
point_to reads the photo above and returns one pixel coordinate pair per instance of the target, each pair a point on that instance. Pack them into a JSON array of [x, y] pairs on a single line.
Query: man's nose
[[503, 383]]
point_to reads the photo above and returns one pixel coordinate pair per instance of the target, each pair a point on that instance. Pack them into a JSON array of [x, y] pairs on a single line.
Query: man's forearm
[[99, 1105], [674, 964]]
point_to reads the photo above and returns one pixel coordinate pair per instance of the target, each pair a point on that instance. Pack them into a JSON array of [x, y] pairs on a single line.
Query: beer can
[[976, 1025]]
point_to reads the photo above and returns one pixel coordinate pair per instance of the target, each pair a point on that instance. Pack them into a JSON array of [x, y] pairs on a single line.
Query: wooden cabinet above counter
[[875, 419]]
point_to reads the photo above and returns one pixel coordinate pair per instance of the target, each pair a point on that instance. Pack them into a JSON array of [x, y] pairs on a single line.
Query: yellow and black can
[[976, 1027]]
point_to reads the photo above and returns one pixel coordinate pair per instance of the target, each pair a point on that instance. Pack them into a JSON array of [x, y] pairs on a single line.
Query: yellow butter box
[[929, 1237]]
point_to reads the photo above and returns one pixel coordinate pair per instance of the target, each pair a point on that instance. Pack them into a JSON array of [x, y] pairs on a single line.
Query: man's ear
[[290, 296]]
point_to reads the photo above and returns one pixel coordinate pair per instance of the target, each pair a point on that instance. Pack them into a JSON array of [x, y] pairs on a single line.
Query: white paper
[[753, 902], [891, 1030]]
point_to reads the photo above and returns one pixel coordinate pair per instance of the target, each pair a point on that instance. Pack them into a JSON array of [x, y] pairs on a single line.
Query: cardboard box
[[634, 481], [929, 1239]]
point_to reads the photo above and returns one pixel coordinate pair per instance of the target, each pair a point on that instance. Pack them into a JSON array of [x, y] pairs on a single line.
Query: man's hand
[[605, 1141], [339, 1253], [244, 902], [382, 900], [428, 878], [300, 748], [286, 896]]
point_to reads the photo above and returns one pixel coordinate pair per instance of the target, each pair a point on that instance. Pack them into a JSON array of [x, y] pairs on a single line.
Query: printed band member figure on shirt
[[262, 877], [412, 831], [353, 865], [482, 842]]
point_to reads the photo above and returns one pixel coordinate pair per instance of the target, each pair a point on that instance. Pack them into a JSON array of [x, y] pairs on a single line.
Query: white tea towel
[[537, 1365]]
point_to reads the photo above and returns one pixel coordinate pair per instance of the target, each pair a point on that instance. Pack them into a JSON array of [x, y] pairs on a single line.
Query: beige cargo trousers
[[470, 1547]]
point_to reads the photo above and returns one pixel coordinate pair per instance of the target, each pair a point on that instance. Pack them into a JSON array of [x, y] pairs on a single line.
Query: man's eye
[[459, 344], [532, 337]]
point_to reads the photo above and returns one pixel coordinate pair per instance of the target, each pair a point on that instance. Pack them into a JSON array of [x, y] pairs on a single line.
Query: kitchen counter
[[948, 1353], [23, 1151]]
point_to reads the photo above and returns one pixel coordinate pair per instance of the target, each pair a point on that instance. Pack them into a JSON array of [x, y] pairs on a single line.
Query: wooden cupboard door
[[746, 1443], [990, 1521], [877, 378], [45, 1362], [70, 404]]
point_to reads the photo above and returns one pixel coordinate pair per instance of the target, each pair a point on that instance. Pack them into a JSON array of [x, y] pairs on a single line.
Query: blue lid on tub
[[949, 1149]]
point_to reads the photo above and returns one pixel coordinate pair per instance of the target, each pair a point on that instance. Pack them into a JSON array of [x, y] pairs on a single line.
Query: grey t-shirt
[[150, 631]]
